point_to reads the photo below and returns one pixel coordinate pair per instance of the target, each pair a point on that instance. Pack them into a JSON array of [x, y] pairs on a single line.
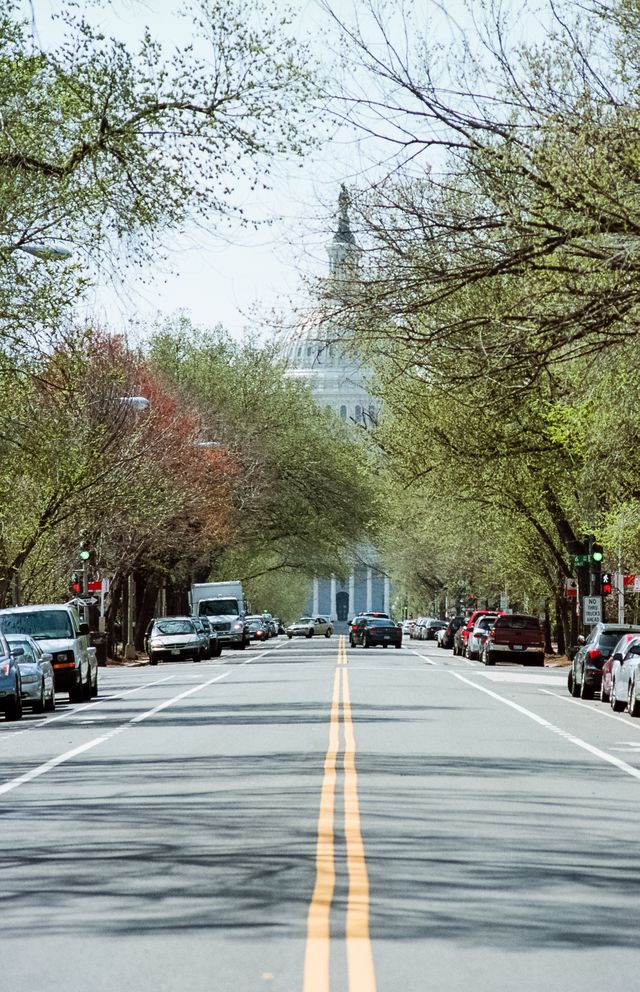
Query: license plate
[[518, 647], [175, 650], [387, 637]]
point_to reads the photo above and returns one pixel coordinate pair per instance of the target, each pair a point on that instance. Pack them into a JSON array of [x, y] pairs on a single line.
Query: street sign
[[571, 587], [592, 609], [83, 601]]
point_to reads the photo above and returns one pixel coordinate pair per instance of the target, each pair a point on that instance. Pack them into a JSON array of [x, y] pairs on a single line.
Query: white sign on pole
[[592, 609]]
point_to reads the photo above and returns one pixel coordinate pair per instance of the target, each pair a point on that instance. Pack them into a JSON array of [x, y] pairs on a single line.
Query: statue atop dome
[[344, 252]]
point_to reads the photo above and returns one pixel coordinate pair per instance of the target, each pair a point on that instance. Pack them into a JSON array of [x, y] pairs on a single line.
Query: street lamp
[[138, 403]]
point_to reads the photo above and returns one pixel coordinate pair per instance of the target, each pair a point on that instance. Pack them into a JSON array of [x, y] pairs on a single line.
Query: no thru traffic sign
[[592, 609]]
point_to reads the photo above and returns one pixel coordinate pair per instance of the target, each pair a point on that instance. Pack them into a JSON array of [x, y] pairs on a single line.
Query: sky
[[241, 278]]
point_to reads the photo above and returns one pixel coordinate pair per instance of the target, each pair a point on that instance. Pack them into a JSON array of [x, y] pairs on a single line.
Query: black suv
[[585, 674]]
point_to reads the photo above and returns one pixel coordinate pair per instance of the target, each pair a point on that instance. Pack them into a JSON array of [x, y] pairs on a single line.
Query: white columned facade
[[386, 596], [352, 595], [369, 591], [332, 605], [316, 596]]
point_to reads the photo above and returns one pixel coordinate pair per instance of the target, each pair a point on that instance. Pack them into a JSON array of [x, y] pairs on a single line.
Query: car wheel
[[385, 646], [586, 692], [488, 659], [51, 701], [634, 702], [242, 645], [41, 703], [366, 643], [604, 695], [14, 710], [153, 659], [94, 686], [217, 651], [327, 633], [398, 646], [617, 705], [309, 634], [76, 695], [575, 688], [86, 689]]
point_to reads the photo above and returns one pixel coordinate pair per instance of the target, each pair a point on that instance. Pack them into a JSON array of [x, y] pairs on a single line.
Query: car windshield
[[41, 624], [518, 623], [254, 624], [379, 623], [219, 607], [173, 627]]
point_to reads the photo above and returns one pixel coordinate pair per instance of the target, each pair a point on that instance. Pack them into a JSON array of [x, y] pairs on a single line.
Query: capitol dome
[[312, 349]]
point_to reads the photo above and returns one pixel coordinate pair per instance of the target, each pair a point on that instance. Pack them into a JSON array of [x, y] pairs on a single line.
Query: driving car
[[36, 673], [172, 639], [310, 627], [203, 633], [258, 630], [58, 630], [10, 681], [373, 631]]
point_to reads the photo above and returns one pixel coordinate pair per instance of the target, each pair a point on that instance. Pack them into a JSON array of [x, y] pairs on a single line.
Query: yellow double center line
[[360, 968]]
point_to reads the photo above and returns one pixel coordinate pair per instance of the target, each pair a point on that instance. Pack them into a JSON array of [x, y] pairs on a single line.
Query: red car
[[470, 624]]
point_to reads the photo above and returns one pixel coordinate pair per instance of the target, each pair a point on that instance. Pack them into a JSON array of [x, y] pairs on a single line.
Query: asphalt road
[[300, 818]]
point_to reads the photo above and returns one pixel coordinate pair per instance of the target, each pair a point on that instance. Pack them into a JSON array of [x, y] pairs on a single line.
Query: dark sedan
[[373, 631]]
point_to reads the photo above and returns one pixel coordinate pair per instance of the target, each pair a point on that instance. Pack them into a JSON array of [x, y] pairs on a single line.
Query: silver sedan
[[36, 673]]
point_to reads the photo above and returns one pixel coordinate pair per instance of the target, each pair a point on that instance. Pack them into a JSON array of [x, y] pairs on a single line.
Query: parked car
[[57, 629], [258, 629], [625, 658], [430, 627], [478, 636], [310, 627], [585, 675], [406, 626], [605, 685], [373, 631], [203, 634], [10, 681], [458, 641], [36, 673], [470, 624], [446, 635], [514, 637], [214, 644], [172, 639]]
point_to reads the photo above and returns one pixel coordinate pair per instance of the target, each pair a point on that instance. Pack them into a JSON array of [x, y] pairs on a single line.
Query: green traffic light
[[597, 555], [85, 555]]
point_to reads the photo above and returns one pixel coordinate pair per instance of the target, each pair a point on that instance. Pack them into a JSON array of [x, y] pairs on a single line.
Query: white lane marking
[[71, 714], [429, 661], [47, 766], [522, 678], [608, 712], [175, 699], [596, 751]]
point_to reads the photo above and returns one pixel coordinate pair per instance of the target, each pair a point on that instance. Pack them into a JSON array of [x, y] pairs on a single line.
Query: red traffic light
[[606, 585]]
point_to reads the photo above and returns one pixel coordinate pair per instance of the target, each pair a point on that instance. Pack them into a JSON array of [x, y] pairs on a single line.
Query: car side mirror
[[17, 652], [581, 639], [47, 657], [84, 629]]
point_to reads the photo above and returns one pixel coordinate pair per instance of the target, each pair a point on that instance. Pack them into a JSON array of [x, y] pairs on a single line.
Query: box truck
[[223, 603]]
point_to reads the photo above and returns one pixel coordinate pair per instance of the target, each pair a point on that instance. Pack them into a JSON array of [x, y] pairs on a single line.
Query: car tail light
[[595, 653], [5, 668], [491, 635]]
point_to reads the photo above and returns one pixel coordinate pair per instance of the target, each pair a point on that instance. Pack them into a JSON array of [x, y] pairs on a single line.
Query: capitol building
[[338, 381]]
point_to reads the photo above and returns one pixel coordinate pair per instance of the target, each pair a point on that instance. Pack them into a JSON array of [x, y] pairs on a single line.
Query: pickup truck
[[515, 637]]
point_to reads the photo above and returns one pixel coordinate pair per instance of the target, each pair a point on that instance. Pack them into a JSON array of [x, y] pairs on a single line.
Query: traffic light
[[75, 585], [607, 587], [597, 554], [85, 550]]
